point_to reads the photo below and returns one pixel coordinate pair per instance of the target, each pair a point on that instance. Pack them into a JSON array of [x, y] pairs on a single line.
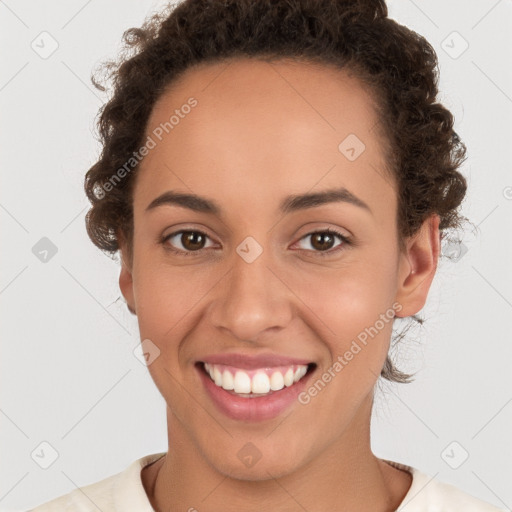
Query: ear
[[418, 266], [125, 277]]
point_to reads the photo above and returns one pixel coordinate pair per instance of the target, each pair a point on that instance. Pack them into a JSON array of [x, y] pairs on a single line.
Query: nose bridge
[[252, 299]]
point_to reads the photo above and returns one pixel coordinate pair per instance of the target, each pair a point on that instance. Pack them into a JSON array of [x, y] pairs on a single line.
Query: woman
[[277, 176]]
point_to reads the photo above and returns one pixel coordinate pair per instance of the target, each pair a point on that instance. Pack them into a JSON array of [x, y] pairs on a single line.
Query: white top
[[124, 492]]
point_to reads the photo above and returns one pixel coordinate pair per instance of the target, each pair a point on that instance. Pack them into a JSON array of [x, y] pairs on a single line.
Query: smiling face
[[256, 274]]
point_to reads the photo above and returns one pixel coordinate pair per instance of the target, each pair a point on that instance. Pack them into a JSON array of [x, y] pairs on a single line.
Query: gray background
[[68, 373]]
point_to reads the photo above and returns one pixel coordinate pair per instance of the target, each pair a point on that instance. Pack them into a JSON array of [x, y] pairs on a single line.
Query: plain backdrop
[[69, 377]]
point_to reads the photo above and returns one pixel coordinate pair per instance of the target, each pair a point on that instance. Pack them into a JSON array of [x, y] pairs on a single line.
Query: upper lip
[[251, 362]]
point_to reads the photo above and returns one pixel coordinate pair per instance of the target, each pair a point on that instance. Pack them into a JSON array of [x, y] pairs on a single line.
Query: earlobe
[[418, 267]]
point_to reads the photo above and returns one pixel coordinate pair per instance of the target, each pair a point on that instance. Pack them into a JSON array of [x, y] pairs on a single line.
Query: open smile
[[253, 394]]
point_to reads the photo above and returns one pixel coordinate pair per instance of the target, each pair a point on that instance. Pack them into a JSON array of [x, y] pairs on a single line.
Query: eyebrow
[[289, 204]]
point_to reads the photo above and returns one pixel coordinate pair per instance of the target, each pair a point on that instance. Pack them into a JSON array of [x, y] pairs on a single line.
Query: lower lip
[[252, 409]]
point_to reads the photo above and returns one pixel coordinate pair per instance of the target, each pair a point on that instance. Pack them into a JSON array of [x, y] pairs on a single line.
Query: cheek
[[166, 297], [346, 300], [167, 304], [353, 315]]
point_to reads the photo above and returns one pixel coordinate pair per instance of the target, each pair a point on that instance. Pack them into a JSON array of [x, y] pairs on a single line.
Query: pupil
[[189, 238], [322, 237]]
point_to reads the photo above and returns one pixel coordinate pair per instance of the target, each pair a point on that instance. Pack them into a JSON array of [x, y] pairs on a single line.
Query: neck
[[346, 476]]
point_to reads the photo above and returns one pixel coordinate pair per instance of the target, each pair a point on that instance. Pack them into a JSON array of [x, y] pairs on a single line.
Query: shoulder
[[117, 492], [427, 494], [96, 496]]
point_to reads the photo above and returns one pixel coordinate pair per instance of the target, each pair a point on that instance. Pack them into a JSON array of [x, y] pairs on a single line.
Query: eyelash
[[346, 241]]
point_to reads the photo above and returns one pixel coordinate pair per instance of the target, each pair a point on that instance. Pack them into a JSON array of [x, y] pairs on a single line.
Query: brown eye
[[323, 242], [190, 241]]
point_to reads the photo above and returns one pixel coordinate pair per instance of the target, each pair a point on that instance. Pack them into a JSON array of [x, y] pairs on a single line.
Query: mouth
[[253, 390], [258, 382]]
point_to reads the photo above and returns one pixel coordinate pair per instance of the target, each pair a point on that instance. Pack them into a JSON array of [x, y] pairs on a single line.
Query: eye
[[191, 241], [322, 241]]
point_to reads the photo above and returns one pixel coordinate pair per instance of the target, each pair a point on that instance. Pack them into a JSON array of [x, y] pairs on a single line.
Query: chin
[[258, 460], [260, 471]]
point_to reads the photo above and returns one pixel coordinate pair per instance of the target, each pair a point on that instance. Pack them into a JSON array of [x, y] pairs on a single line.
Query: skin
[[259, 133]]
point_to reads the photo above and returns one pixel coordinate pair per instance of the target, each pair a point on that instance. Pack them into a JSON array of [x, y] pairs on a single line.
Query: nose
[[252, 299]]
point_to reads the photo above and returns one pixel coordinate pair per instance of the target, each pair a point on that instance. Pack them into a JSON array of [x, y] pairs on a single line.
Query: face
[[255, 279]]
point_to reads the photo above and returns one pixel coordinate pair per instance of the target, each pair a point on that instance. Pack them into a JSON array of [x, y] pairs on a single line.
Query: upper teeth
[[263, 380]]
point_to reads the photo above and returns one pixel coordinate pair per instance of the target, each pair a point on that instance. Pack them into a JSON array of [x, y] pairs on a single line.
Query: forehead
[[264, 128]]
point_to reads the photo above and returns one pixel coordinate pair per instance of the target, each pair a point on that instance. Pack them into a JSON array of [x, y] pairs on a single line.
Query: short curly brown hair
[[423, 153]]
